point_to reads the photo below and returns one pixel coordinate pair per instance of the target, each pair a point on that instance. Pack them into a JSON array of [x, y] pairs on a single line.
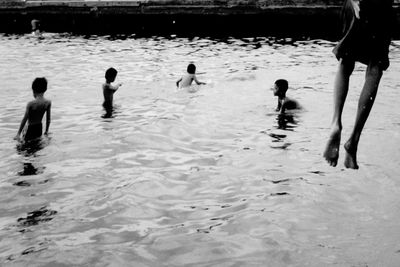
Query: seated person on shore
[[36, 27], [109, 89], [188, 78], [284, 103], [35, 111]]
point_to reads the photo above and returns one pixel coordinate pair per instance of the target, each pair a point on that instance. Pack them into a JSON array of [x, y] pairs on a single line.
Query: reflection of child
[[109, 89], [188, 78], [284, 103], [366, 39], [35, 111]]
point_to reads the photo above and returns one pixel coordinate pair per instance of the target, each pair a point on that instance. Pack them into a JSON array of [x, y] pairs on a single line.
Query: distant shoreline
[[312, 18]]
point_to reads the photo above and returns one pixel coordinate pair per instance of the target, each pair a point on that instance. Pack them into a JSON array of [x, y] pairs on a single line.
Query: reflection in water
[[286, 122], [35, 217], [31, 147], [22, 183], [30, 169], [29, 150]]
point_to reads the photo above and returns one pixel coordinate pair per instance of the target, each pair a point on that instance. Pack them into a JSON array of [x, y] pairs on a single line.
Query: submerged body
[[190, 77], [286, 103], [187, 80]]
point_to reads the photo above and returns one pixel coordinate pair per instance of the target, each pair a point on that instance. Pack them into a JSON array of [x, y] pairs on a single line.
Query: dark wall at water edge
[[210, 24], [308, 18]]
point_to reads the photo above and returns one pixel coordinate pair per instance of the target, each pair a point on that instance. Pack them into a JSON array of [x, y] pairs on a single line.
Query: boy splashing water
[[109, 90], [186, 80]]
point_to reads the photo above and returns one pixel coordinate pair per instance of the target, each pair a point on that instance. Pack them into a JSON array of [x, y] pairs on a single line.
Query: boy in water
[[187, 79], [36, 27], [284, 103], [366, 39], [35, 111], [109, 89]]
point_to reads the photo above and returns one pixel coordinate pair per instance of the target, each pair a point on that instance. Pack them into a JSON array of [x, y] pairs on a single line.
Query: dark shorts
[[107, 105], [34, 131], [367, 39]]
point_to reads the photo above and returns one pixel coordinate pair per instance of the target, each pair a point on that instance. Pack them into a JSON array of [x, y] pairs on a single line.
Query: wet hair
[[39, 85], [191, 68], [111, 73], [282, 85]]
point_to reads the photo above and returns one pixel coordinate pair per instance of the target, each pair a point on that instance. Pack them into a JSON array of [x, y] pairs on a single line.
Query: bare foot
[[331, 153], [351, 156]]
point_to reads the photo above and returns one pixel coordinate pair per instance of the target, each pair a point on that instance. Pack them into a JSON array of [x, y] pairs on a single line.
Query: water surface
[[211, 178]]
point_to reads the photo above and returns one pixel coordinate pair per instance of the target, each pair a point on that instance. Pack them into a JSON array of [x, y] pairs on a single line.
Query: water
[[211, 178]]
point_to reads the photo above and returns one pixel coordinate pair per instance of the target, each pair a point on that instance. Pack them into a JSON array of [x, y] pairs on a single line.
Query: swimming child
[[36, 27], [284, 103], [188, 78], [366, 39], [109, 89], [35, 111]]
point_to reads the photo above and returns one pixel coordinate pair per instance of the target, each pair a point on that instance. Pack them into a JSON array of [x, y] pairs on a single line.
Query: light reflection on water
[[209, 178]]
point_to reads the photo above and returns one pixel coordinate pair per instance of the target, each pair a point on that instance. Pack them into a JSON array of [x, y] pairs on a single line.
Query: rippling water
[[212, 178]]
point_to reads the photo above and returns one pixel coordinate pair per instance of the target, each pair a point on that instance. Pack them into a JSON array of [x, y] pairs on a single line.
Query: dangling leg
[[341, 87], [372, 78]]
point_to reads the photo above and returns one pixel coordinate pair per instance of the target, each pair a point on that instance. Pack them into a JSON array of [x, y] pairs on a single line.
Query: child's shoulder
[[291, 103], [39, 102], [47, 102]]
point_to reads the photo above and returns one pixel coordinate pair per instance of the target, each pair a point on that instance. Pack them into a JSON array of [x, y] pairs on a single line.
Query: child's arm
[[22, 125], [115, 87], [177, 82], [197, 81], [283, 108], [356, 7], [48, 118], [279, 105]]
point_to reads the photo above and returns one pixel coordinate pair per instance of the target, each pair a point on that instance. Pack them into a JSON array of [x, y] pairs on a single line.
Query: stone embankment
[[314, 18]]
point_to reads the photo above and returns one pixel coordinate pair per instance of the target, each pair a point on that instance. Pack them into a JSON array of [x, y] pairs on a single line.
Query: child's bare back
[[35, 111], [188, 78]]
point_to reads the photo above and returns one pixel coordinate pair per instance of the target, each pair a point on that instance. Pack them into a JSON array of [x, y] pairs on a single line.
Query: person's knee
[[347, 66], [374, 70]]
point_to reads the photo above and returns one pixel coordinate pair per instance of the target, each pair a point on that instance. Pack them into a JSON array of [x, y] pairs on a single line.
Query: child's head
[[111, 74], [35, 24], [191, 68], [280, 88], [39, 85]]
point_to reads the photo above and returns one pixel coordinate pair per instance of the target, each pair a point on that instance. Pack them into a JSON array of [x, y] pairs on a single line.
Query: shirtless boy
[[35, 111]]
